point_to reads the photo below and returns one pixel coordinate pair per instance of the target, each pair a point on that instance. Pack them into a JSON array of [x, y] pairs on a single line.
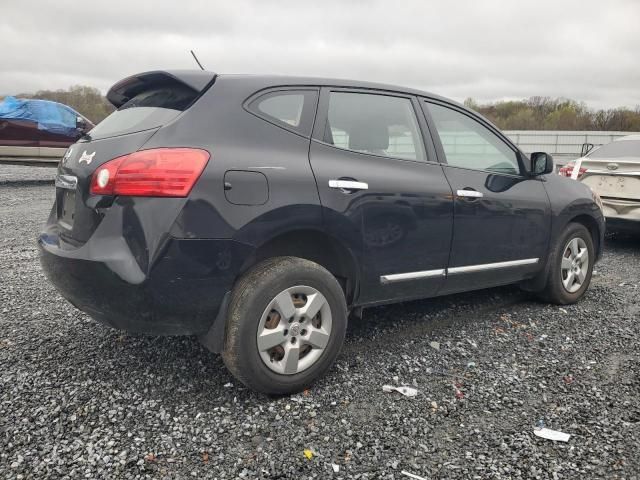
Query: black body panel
[[181, 295], [571, 200], [401, 223], [164, 265], [509, 223]]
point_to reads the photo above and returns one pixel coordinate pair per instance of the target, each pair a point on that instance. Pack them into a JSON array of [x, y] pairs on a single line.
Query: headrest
[[369, 137]]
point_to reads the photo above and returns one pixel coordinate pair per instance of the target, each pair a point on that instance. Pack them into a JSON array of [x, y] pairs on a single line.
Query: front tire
[[571, 266], [286, 324]]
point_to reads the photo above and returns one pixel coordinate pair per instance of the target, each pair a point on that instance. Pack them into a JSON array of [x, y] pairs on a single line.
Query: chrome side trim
[[611, 173], [492, 266], [470, 193], [66, 181], [623, 174], [400, 277], [348, 185]]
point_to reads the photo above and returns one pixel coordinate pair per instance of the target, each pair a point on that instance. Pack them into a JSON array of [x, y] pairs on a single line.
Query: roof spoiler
[[129, 87]]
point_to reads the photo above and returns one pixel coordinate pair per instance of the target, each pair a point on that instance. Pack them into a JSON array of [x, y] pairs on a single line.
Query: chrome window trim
[[612, 173], [492, 266], [400, 277]]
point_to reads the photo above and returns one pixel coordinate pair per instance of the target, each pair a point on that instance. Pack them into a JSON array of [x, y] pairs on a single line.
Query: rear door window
[[374, 124], [149, 109], [290, 109]]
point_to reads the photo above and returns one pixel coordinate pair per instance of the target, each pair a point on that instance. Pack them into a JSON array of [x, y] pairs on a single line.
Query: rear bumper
[[615, 224], [179, 295], [622, 214]]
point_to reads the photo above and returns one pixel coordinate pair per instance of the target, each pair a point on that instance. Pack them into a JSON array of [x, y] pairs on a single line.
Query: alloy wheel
[[575, 264], [294, 330]]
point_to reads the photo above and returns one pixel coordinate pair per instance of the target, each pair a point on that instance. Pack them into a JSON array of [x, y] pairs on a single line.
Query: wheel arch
[[590, 224], [316, 246]]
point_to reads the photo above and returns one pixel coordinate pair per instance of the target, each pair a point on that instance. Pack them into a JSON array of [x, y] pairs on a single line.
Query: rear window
[[285, 108], [291, 109], [617, 149], [149, 109]]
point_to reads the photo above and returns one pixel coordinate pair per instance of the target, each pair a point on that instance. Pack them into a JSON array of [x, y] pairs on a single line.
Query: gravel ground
[[80, 400]]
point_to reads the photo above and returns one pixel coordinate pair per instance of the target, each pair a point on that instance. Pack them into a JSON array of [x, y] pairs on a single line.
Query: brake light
[[567, 170], [104, 179], [159, 172]]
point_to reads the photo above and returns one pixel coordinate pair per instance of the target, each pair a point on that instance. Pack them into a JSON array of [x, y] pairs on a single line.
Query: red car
[[37, 132]]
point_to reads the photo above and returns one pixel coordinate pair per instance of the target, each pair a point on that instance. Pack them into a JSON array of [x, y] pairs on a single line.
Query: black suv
[[257, 212]]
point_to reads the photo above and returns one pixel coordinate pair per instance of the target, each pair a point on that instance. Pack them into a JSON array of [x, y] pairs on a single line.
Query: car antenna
[[196, 59]]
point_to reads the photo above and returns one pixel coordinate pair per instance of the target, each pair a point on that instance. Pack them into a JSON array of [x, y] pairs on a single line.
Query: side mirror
[[541, 163], [81, 124]]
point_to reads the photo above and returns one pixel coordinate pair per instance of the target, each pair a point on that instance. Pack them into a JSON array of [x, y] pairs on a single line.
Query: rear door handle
[[348, 185], [470, 194]]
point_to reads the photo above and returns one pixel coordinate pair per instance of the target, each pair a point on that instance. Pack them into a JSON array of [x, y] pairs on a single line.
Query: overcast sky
[[485, 49]]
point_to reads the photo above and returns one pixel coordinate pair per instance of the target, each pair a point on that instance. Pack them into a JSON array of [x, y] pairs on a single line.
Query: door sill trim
[[441, 272], [492, 266], [400, 277]]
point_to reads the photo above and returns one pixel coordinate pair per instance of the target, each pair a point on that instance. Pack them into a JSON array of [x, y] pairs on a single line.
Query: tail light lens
[[159, 172], [567, 170]]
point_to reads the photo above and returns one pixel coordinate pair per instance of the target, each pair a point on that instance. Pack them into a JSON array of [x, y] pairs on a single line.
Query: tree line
[[546, 113], [534, 113]]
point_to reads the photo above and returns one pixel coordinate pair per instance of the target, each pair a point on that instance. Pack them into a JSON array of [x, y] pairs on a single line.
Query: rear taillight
[[567, 170], [159, 172]]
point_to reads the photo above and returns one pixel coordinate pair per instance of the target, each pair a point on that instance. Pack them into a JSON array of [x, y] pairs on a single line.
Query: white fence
[[565, 145]]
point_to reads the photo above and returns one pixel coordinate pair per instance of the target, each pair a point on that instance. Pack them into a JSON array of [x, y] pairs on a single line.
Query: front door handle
[[470, 194], [348, 185]]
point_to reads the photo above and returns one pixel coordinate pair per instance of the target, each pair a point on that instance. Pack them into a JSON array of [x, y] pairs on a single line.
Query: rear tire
[[286, 324], [570, 267]]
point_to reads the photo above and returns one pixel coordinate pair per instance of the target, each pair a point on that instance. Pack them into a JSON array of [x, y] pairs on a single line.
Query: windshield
[[619, 148], [149, 109]]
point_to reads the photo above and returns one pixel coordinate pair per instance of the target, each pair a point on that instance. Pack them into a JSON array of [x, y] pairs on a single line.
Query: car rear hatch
[[145, 103], [613, 178]]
